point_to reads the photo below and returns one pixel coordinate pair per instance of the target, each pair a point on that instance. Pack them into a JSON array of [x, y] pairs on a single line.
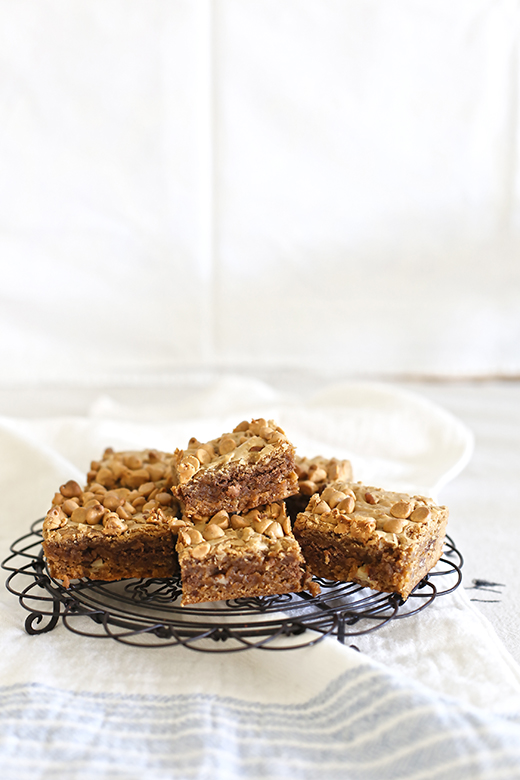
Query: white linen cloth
[[433, 695]]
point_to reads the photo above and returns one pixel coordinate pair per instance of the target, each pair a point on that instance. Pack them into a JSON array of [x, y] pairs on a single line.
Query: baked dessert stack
[[234, 536], [239, 516]]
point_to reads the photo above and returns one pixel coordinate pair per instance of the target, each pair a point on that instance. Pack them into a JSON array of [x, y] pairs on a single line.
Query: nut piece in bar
[[314, 474], [110, 533], [252, 466], [383, 540], [248, 555]]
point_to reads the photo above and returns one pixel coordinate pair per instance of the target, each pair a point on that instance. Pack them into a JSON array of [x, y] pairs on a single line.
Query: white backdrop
[[258, 183]]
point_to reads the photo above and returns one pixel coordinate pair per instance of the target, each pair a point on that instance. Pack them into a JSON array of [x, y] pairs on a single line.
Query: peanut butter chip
[[347, 505], [200, 551], [308, 488], [420, 515], [118, 469], [105, 477], [183, 536], [275, 530], [194, 536], [226, 444], [261, 526], [333, 471], [156, 471], [213, 531], [69, 506], [402, 509], [79, 515], [175, 523], [146, 488], [393, 526], [221, 519], [321, 508], [71, 489], [203, 456], [133, 462], [256, 425], [165, 499], [317, 474], [135, 478], [123, 513], [111, 501], [333, 497]]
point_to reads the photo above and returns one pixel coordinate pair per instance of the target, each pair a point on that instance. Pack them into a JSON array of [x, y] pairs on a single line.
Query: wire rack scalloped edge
[[146, 613]]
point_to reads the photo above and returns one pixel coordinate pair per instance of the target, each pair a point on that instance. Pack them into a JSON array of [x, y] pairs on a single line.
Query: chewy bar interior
[[314, 474], [380, 539], [252, 466], [117, 526], [233, 556]]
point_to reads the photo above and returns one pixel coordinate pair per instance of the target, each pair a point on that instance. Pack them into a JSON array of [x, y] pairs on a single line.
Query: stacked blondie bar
[[239, 516]]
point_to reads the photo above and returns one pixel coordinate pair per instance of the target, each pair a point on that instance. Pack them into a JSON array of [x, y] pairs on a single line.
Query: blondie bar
[[249, 467], [117, 526], [380, 539], [247, 555]]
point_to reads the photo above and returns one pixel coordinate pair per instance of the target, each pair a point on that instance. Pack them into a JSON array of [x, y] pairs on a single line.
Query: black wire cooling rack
[[147, 612]]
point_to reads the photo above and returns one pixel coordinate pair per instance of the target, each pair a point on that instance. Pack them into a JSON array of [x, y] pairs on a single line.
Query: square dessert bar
[[249, 467], [117, 526], [249, 555], [314, 474], [382, 540]]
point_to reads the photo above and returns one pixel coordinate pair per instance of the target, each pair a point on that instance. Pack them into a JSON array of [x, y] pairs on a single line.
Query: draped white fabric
[[248, 182]]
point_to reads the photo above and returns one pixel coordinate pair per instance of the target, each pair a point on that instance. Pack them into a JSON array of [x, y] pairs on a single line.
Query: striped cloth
[[365, 724]]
